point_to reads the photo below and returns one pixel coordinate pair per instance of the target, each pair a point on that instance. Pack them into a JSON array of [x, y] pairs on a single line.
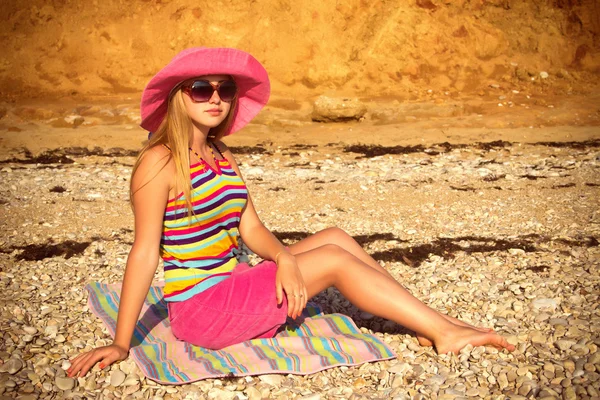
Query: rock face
[[328, 109], [363, 48]]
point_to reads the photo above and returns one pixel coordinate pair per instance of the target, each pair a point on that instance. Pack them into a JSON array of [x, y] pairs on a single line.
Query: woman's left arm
[[262, 242]]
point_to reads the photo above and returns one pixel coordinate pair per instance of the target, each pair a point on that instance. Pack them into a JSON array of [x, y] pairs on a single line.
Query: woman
[[191, 206]]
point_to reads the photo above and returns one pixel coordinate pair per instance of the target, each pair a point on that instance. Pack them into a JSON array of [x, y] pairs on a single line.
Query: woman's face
[[208, 113]]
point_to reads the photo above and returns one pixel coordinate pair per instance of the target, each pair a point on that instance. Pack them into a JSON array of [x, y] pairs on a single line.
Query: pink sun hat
[[250, 77]]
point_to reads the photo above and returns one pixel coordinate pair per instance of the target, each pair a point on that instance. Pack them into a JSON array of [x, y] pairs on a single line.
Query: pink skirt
[[242, 307]]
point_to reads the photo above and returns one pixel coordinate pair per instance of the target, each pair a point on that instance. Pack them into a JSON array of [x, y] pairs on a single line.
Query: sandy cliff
[[350, 47]]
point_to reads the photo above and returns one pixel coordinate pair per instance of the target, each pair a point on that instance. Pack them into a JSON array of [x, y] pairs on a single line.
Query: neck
[[200, 137]]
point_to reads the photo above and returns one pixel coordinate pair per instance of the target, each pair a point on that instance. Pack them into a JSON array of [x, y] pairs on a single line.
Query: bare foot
[[454, 341], [423, 341]]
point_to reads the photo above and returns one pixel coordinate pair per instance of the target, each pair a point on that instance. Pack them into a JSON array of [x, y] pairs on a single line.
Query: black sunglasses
[[202, 90]]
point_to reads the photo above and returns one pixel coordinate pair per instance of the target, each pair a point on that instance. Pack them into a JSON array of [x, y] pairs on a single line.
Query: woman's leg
[[340, 238], [374, 292]]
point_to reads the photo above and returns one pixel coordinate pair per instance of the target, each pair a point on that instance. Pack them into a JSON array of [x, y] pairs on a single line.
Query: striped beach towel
[[312, 343]]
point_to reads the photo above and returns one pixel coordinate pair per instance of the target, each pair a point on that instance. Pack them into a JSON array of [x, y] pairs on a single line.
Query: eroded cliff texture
[[357, 47]]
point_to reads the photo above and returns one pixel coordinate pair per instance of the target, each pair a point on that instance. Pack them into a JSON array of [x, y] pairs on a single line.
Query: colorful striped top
[[201, 254]]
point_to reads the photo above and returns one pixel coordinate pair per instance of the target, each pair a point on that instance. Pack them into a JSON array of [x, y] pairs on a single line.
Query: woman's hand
[[81, 364], [289, 279]]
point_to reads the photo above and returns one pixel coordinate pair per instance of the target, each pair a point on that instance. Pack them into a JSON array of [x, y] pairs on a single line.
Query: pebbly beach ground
[[489, 213]]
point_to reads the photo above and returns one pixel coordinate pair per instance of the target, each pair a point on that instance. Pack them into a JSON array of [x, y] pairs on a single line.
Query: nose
[[215, 99]]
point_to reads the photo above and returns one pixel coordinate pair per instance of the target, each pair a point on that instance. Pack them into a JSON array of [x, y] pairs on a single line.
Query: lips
[[214, 112]]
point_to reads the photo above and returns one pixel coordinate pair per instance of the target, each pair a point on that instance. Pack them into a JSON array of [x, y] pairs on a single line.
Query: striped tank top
[[202, 253]]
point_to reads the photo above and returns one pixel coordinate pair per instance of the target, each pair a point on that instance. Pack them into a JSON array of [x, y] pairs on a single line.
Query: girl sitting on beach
[[191, 207]]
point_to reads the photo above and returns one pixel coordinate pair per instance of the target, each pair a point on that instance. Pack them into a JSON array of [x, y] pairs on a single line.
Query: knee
[[335, 257], [333, 249], [337, 236]]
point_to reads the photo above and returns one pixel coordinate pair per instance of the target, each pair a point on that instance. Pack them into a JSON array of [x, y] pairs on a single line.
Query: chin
[[209, 122]]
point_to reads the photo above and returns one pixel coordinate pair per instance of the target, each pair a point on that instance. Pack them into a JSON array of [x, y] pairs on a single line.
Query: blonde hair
[[176, 133]]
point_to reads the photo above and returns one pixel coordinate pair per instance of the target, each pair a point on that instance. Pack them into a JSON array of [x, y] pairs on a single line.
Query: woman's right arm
[[150, 185]]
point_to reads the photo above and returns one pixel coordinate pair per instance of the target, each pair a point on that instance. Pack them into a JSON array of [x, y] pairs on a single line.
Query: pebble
[[272, 379], [569, 365], [399, 368], [569, 394], [117, 377], [12, 366], [541, 297], [359, 383], [253, 393], [65, 383], [131, 380], [564, 345], [30, 330], [538, 338], [366, 316], [544, 304], [254, 171], [314, 396]]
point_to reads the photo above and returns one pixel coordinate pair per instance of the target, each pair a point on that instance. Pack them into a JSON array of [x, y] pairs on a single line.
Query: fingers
[[297, 299], [291, 302], [107, 360], [86, 361], [80, 363], [305, 298], [279, 292]]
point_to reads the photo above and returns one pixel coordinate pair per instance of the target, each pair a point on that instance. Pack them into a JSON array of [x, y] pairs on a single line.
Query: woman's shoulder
[[156, 154], [156, 160]]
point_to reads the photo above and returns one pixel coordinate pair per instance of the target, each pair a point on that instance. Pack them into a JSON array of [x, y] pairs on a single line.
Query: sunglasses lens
[[201, 91], [227, 90]]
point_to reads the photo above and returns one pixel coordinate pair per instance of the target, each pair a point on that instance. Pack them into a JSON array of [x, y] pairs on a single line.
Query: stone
[[131, 380], [12, 366], [544, 304], [502, 381], [399, 368], [314, 396], [33, 377], [129, 390], [525, 388], [27, 338], [366, 316], [51, 331], [117, 377], [28, 397], [329, 109], [359, 383], [569, 394], [272, 379], [253, 393], [90, 383], [220, 394], [254, 171], [564, 345], [435, 380], [538, 338], [569, 365], [65, 383]]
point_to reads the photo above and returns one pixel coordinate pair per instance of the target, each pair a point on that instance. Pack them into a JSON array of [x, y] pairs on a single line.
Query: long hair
[[176, 132]]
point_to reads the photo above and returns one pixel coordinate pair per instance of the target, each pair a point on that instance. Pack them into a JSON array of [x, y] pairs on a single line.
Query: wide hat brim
[[250, 77]]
